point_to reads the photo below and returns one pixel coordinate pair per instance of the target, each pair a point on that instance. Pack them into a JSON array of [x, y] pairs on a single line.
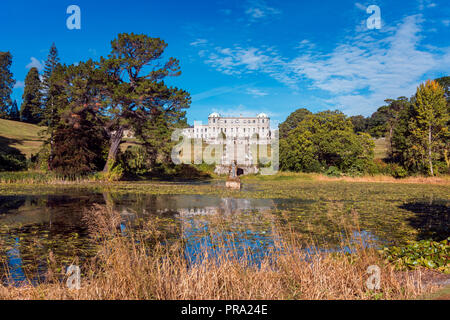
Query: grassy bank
[[39, 177], [139, 266], [22, 136]]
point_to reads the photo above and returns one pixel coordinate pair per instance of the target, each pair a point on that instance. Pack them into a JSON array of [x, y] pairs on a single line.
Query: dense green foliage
[[89, 107], [292, 121], [12, 160], [424, 253], [14, 113], [31, 109], [420, 140], [325, 140], [416, 132], [6, 83]]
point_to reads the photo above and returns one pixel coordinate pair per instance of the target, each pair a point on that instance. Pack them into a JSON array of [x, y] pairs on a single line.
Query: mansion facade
[[239, 129]]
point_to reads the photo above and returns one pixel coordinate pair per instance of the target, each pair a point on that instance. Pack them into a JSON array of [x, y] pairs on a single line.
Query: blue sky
[[251, 56]]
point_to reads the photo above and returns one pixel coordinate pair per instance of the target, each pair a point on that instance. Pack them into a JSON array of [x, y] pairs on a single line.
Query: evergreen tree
[[31, 110], [6, 83], [429, 124], [14, 113], [79, 138], [134, 90], [47, 97], [50, 113]]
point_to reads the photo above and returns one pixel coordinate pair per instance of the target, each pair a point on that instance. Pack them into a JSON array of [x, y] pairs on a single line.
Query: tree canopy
[[324, 140], [6, 83]]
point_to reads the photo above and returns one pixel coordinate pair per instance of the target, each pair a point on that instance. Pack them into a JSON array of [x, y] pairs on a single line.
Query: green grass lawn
[[22, 136]]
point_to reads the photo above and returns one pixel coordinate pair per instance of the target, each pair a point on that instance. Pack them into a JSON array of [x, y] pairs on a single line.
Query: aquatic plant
[[424, 253]]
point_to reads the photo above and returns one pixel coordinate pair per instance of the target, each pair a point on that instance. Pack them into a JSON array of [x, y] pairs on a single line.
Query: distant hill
[[22, 136]]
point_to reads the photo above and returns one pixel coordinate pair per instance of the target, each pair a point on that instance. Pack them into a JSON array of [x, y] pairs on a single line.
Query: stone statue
[[233, 170]]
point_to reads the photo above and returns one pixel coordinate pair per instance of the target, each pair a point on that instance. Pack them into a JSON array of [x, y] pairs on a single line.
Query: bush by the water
[[12, 161]]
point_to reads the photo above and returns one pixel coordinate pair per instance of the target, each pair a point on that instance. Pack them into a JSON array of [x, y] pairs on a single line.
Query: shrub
[[13, 161], [333, 172], [398, 171]]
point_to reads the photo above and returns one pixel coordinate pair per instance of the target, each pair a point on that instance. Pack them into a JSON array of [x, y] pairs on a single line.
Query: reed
[[142, 265]]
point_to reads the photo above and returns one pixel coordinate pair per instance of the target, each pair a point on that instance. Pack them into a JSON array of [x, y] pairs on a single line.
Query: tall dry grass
[[141, 265]]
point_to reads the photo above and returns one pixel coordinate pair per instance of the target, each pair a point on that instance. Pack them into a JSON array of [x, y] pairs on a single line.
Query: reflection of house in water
[[226, 206]]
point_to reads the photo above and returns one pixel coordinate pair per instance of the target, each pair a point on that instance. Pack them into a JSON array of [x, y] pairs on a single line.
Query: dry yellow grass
[[444, 180], [130, 268]]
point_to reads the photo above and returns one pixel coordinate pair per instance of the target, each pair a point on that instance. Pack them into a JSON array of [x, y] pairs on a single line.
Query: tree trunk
[[52, 140], [430, 159], [115, 140]]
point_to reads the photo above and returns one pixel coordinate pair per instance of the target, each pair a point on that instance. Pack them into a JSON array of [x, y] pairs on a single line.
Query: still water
[[32, 227]]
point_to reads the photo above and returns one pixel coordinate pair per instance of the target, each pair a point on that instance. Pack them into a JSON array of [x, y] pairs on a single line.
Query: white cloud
[[237, 60], [256, 92], [360, 6], [19, 84], [446, 22], [35, 63], [387, 68], [258, 9], [358, 74], [199, 42], [426, 4]]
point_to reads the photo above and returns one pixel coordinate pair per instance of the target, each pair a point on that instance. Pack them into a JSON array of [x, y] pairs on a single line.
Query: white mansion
[[232, 128]]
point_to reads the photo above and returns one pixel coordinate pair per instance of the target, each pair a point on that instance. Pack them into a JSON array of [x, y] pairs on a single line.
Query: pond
[[32, 227]]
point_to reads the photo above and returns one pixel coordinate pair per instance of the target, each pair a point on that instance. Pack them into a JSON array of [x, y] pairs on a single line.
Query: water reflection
[[16, 273], [32, 226]]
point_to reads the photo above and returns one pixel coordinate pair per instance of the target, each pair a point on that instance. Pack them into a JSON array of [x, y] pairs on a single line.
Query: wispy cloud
[[387, 68], [257, 9], [212, 93], [199, 42], [357, 75], [19, 84], [360, 6], [35, 63], [423, 4], [256, 92]]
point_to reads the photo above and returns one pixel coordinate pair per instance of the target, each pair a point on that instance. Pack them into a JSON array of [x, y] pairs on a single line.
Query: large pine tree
[[50, 114], [48, 98], [6, 83], [14, 113], [31, 110]]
